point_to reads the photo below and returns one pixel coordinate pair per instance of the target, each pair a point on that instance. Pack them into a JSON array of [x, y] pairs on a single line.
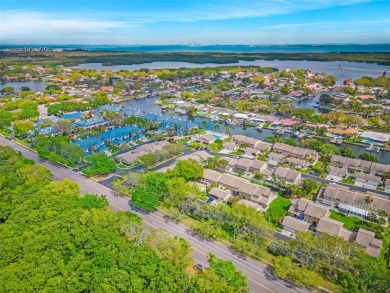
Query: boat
[[296, 134], [369, 148], [259, 128], [378, 149]]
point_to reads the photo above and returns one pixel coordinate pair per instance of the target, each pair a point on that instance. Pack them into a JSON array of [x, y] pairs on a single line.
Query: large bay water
[[352, 70], [295, 48]]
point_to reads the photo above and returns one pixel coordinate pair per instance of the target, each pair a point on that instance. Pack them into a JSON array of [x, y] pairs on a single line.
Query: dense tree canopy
[[99, 164], [54, 240], [188, 169]]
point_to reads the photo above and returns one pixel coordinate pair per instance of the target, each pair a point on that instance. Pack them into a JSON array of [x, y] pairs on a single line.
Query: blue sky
[[194, 21]]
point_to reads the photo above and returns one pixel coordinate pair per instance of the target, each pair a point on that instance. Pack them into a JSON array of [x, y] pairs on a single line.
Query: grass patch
[[349, 222], [237, 153], [348, 180], [266, 125], [202, 197], [277, 209], [123, 166], [216, 147], [184, 140]]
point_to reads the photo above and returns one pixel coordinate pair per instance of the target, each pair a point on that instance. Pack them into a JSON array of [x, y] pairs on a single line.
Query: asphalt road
[[259, 276]]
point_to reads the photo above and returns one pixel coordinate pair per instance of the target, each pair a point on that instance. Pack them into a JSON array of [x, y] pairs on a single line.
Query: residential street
[[259, 277]]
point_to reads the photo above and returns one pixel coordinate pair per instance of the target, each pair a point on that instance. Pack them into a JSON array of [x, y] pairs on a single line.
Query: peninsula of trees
[[74, 58]]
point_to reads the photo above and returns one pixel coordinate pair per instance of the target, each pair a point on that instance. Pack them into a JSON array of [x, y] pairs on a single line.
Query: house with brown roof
[[352, 202], [348, 132], [211, 176], [249, 142], [257, 166], [207, 138], [230, 146], [130, 156], [252, 151], [336, 171], [242, 165], [275, 157], [367, 239], [358, 165], [367, 179], [107, 88], [308, 210], [219, 194], [335, 228], [231, 182], [289, 176], [295, 152], [291, 225]]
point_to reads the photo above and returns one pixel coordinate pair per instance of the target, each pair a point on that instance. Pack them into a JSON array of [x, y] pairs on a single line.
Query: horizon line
[[195, 44]]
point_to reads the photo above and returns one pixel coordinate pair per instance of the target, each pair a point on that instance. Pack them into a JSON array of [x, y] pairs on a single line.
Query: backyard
[[277, 209], [349, 222]]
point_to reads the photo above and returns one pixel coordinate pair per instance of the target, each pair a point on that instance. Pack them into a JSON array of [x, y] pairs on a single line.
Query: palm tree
[[217, 127], [368, 200], [227, 130]]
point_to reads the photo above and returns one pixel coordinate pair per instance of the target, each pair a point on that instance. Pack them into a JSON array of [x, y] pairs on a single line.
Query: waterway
[[148, 105], [34, 85]]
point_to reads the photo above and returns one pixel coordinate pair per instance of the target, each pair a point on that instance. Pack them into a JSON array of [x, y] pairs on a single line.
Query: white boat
[[370, 148], [378, 149]]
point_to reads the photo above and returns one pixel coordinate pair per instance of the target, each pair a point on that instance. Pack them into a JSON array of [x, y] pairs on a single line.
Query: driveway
[[333, 178]]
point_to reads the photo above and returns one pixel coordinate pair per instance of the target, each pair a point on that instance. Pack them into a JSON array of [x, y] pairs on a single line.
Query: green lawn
[[216, 147], [186, 139], [349, 222], [348, 180], [277, 209], [237, 153], [202, 197]]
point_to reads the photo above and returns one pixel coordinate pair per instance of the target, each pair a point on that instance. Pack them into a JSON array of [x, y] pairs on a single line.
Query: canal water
[[34, 85], [353, 70], [149, 106]]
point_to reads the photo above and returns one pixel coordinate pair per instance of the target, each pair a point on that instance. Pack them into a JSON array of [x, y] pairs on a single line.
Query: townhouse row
[[313, 217]]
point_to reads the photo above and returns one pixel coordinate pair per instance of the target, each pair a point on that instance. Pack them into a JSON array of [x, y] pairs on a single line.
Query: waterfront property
[[376, 137]]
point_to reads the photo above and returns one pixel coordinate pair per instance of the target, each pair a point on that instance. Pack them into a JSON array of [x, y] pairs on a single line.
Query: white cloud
[[19, 23], [238, 9], [139, 26]]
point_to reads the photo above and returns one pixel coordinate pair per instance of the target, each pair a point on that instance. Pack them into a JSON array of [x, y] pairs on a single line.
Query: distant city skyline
[[170, 22]]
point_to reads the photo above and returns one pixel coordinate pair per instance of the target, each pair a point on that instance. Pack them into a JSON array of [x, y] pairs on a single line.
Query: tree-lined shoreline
[[76, 57]]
